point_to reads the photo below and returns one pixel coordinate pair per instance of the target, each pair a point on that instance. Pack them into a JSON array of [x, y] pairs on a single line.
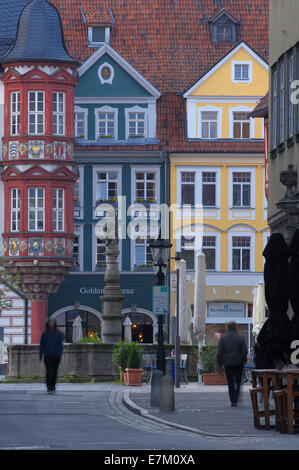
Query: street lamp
[[160, 253], [177, 334]]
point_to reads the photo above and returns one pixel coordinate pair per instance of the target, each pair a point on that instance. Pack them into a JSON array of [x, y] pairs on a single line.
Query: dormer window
[[98, 35], [224, 32], [223, 27]]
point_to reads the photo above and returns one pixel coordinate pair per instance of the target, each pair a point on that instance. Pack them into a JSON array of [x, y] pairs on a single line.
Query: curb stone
[[146, 414]]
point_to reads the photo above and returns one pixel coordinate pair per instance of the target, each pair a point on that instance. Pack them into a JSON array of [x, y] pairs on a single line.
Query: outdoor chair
[[280, 397], [148, 364], [257, 413]]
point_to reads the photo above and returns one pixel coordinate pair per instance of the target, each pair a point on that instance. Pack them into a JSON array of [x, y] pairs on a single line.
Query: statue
[[112, 299]]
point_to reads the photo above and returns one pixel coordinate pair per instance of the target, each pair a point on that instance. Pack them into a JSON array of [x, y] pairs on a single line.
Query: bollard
[[167, 394], [155, 387]]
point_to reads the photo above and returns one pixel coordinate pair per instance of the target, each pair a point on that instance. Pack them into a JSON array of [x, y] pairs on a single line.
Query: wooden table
[[266, 375]]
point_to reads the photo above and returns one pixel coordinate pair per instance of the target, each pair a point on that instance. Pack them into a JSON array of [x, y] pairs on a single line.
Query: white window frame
[[84, 111], [274, 109], [94, 251], [56, 210], [219, 120], [36, 113], [36, 209], [199, 170], [15, 114], [249, 63], [136, 109], [15, 195], [241, 169], [232, 234], [92, 43], [78, 232], [105, 169], [282, 99], [145, 169], [106, 110], [241, 109], [291, 69], [58, 114], [133, 247]]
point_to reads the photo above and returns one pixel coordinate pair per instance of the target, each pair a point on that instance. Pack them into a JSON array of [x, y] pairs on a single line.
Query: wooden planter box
[[214, 379], [133, 377]]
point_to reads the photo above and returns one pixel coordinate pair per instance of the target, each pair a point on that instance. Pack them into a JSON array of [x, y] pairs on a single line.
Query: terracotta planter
[[121, 376], [134, 377], [214, 379]]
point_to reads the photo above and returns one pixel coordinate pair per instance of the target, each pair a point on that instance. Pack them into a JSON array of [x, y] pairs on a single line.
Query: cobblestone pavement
[[92, 416]]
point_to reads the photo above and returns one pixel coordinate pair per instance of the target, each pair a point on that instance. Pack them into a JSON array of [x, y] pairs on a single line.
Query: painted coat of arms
[[36, 149]]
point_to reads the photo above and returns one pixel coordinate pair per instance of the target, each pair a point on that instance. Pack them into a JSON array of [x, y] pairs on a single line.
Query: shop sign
[[100, 291], [226, 310], [160, 300]]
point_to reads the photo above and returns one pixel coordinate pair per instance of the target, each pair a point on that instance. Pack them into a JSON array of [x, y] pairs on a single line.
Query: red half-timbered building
[[38, 171]]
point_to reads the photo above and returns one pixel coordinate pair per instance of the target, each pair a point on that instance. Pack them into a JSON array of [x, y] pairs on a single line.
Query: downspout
[[26, 321]]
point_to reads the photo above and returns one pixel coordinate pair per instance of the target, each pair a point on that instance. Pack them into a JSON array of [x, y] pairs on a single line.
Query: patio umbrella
[[77, 330], [273, 335], [128, 329], [200, 298], [259, 309], [184, 306], [293, 287]]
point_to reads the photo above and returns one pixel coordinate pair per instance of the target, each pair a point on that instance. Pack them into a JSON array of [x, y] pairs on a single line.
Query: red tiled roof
[[168, 42], [262, 108], [98, 16]]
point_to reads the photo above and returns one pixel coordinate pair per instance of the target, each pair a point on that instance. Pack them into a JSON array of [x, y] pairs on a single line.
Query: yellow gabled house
[[222, 181]]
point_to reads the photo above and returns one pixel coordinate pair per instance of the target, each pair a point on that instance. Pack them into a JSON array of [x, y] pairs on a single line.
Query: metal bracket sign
[[160, 300]]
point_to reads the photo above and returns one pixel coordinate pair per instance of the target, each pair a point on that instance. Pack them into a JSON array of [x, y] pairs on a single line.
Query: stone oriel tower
[[39, 77]]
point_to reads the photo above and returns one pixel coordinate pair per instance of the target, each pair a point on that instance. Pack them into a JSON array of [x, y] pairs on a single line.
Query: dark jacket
[[232, 350], [51, 344]]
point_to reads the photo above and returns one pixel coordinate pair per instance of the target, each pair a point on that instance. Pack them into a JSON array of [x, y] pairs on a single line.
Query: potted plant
[[211, 373], [120, 357], [133, 370]]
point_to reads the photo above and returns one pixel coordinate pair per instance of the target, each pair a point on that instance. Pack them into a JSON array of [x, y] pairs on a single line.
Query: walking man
[[51, 348], [232, 354]]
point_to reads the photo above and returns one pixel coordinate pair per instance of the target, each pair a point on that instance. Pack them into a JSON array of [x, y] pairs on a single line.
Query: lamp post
[[177, 333], [160, 252]]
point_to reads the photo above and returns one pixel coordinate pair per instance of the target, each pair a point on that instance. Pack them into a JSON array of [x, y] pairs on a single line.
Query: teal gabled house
[[118, 155]]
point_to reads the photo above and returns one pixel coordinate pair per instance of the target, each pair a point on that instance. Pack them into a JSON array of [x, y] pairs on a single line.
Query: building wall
[[283, 36], [12, 320]]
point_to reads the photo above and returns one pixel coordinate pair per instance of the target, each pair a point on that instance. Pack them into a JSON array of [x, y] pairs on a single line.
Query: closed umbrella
[[128, 329], [184, 306], [293, 288], [200, 299], [273, 335], [259, 309], [77, 329]]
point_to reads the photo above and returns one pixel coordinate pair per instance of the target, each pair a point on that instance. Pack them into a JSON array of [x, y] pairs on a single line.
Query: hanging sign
[[160, 300]]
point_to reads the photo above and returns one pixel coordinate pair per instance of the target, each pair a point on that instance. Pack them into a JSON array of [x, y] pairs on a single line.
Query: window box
[[141, 136], [104, 136], [140, 200], [143, 267]]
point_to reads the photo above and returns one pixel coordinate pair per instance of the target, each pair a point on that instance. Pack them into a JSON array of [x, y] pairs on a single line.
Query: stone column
[[39, 314], [112, 299]]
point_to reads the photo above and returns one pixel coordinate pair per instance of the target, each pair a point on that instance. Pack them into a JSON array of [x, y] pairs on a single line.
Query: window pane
[[188, 193], [236, 195], [209, 195], [188, 256], [236, 260]]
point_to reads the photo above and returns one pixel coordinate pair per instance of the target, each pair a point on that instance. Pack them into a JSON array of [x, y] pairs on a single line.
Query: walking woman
[[51, 348]]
